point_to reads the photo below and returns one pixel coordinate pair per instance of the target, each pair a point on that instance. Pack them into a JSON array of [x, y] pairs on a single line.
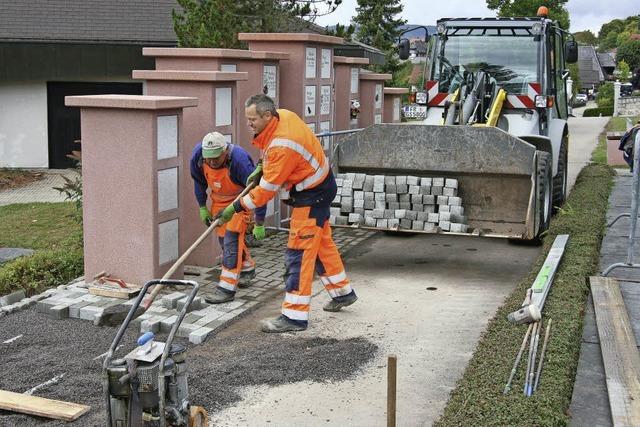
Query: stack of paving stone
[[398, 202]]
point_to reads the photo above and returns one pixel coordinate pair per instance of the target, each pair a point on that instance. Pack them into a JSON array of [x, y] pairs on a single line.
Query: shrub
[[605, 95], [40, 271], [596, 112]]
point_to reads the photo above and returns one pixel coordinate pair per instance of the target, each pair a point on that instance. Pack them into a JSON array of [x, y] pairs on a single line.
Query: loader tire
[[545, 193], [560, 180]]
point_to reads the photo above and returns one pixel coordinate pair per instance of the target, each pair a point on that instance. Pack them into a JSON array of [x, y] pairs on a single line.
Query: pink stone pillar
[[392, 104], [371, 98], [262, 68], [347, 88], [308, 73], [131, 165], [216, 93]]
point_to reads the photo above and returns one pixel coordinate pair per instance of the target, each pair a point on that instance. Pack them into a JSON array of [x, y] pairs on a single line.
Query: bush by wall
[[597, 112]]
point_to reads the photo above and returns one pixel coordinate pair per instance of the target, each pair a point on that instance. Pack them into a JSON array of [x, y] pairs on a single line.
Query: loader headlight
[[536, 28], [543, 101], [421, 98]]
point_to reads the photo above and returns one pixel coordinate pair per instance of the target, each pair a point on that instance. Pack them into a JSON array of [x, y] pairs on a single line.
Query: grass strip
[[51, 230], [478, 398]]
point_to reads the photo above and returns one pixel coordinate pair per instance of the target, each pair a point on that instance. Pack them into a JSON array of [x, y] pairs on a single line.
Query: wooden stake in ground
[[41, 407], [391, 390], [507, 387]]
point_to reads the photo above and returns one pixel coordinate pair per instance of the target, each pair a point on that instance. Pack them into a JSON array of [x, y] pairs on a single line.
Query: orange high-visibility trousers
[[235, 254], [311, 248]]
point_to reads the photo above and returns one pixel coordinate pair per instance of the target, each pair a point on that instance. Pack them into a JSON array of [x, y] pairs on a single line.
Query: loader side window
[[558, 66], [510, 59]]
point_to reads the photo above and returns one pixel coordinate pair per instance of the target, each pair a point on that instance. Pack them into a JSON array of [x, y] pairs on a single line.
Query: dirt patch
[[17, 178], [220, 367]]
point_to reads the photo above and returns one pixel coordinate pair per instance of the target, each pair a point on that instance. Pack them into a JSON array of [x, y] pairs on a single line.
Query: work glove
[[255, 175], [259, 232], [226, 214], [205, 216]]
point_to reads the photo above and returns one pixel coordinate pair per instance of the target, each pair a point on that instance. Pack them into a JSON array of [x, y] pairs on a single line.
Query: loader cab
[[523, 56]]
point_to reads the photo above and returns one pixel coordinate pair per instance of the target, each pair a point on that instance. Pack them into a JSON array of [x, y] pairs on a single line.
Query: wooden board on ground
[[41, 407], [619, 351], [114, 291]]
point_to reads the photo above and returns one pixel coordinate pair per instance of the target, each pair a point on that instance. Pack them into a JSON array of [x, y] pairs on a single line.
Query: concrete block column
[[131, 161], [308, 73], [347, 89], [371, 98], [262, 68], [392, 103], [216, 111]]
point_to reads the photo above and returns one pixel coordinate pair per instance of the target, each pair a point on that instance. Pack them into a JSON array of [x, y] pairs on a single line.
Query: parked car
[[580, 100], [626, 89]]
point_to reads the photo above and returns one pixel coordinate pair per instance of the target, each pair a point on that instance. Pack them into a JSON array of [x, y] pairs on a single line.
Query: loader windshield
[[511, 59]]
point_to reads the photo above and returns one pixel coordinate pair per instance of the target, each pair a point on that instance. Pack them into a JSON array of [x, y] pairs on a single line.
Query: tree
[[604, 98], [586, 37], [344, 31], [575, 76], [216, 23], [625, 71], [629, 52], [513, 8], [378, 26]]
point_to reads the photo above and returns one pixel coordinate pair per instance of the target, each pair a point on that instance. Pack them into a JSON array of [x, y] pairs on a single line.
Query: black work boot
[[281, 324], [337, 303], [244, 281], [219, 295]]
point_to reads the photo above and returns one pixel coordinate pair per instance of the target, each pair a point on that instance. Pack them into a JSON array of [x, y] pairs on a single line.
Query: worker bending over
[[295, 165], [224, 168]]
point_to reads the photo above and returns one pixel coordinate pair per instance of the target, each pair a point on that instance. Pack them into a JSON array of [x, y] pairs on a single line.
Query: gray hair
[[263, 104]]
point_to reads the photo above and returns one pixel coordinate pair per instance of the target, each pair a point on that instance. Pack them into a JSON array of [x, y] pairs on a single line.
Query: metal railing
[[282, 212], [635, 193]]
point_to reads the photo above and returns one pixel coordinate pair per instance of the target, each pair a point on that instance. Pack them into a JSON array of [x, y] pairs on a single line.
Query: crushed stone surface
[[217, 369]]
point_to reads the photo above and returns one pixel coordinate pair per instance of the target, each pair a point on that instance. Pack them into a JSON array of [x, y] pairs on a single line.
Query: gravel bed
[[218, 368]]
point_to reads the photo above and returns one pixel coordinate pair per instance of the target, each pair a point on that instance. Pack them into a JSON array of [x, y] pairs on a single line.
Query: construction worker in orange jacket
[[224, 169], [295, 165]]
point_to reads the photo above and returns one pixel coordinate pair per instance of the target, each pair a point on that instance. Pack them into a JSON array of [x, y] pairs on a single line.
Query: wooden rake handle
[[156, 289]]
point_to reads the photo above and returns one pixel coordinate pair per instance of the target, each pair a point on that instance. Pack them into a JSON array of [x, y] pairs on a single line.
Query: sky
[[584, 14]]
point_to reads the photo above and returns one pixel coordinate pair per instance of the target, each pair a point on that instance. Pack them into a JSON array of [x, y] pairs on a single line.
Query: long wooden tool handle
[[188, 252]]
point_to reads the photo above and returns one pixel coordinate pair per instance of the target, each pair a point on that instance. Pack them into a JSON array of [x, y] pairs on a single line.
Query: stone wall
[[629, 106]]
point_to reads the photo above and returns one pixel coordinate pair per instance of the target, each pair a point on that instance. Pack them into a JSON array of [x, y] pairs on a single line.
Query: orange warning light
[[543, 11]]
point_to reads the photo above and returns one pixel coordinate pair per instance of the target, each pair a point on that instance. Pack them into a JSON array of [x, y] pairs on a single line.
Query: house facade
[[53, 48]]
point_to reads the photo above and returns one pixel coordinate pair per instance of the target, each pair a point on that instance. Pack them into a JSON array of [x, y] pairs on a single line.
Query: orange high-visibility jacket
[[293, 160]]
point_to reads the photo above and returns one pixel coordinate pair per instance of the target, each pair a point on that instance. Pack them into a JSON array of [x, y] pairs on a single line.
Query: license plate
[[414, 111]]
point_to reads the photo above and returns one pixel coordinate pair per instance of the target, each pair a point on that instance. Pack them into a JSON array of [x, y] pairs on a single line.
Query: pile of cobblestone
[[398, 202]]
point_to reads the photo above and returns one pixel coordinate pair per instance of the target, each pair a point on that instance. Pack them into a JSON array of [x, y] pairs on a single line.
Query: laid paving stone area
[[39, 191], [75, 301]]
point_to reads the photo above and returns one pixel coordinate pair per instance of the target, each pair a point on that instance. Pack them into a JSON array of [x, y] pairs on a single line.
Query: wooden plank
[[619, 351], [34, 405], [114, 292]]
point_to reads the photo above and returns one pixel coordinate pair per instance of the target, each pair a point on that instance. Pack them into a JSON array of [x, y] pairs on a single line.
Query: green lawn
[[51, 230], [478, 398]]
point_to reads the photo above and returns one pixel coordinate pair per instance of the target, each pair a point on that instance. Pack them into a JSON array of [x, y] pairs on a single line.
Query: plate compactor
[[148, 387]]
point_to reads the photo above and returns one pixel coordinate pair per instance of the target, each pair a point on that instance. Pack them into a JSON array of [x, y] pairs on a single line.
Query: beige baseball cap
[[213, 145]]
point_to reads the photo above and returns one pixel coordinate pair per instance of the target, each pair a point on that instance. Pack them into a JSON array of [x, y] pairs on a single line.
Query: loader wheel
[[545, 193], [560, 180], [198, 417]]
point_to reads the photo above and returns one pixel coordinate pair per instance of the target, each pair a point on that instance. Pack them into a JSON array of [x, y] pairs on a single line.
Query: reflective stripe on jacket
[[293, 159]]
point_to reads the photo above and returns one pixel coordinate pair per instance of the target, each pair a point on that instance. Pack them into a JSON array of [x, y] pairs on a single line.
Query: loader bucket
[[496, 171]]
